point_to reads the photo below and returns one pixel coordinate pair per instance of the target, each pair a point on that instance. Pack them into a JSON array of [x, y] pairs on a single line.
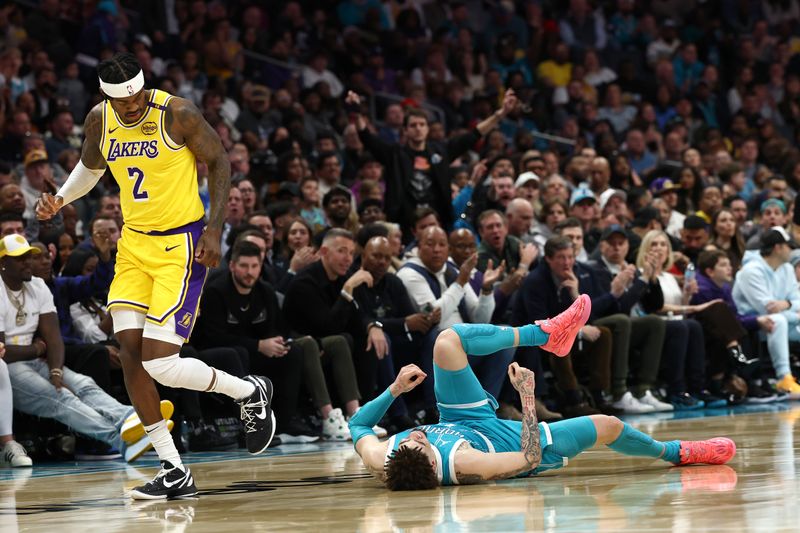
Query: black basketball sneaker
[[257, 415], [170, 482]]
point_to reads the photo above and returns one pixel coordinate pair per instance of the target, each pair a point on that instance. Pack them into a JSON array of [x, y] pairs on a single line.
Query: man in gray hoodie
[[766, 285]]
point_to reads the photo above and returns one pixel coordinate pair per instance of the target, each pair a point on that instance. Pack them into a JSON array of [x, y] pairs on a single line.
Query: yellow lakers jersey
[[156, 176]]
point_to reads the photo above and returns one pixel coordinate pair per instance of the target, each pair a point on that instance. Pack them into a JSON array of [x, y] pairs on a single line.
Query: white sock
[[162, 442], [194, 374], [236, 388]]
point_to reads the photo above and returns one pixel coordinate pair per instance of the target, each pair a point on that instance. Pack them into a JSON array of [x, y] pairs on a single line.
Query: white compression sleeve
[[80, 181]]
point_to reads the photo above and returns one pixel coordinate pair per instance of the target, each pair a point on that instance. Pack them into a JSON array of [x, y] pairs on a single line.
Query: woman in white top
[[684, 356]]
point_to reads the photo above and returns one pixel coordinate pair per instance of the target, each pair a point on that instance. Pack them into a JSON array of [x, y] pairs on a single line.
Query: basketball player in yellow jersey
[[149, 140]]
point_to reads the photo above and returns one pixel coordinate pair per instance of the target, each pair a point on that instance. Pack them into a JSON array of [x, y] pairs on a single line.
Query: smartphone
[[288, 342]]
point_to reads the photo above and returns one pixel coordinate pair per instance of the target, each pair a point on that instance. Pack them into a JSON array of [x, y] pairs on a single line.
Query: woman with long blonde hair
[[684, 356]]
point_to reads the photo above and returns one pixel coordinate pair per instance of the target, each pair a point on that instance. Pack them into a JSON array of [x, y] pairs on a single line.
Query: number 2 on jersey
[[139, 194]]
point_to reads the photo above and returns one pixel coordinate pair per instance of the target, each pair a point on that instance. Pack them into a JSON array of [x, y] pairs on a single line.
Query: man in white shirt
[[41, 384], [434, 284]]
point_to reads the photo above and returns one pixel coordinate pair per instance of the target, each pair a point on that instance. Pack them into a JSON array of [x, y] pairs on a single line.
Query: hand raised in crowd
[[409, 377], [650, 266], [622, 280], [302, 258], [492, 275], [102, 241], [510, 102], [353, 100], [273, 347], [465, 270], [528, 254], [478, 172], [511, 282], [359, 276], [376, 339]]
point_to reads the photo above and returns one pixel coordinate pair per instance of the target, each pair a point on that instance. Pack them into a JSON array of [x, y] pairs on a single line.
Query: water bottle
[[688, 275]]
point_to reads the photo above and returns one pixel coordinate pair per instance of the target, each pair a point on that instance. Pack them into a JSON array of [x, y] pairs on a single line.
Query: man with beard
[[337, 204], [390, 321], [240, 310]]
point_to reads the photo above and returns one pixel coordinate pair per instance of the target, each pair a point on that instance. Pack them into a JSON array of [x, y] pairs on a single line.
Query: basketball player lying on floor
[[470, 444]]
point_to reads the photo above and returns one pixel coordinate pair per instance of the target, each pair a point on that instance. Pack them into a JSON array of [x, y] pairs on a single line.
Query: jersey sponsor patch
[[149, 128]]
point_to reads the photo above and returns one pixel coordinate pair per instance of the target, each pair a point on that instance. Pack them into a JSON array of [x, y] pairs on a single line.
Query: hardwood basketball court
[[324, 488]]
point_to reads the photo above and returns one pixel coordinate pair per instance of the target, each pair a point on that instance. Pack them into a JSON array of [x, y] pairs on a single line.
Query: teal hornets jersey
[[445, 438]]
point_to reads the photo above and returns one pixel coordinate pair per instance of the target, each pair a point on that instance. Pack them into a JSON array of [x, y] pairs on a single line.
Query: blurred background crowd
[[400, 166]]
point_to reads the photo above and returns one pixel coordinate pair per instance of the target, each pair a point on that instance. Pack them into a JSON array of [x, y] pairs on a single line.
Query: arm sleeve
[[80, 181], [370, 414]]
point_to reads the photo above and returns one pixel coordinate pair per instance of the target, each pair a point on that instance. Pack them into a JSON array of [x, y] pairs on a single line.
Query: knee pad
[[165, 370]]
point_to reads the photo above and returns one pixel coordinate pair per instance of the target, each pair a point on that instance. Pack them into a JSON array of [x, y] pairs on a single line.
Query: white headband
[[124, 89]]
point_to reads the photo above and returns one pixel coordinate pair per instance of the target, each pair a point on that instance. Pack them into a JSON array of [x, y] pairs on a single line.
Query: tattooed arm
[[473, 466], [186, 124]]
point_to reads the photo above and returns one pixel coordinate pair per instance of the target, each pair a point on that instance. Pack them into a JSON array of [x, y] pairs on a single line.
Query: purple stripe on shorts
[[186, 315]]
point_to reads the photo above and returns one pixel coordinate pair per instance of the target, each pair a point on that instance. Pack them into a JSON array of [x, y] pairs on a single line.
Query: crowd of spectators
[[402, 166]]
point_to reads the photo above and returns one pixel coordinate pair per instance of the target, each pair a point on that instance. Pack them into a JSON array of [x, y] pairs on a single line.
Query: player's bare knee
[[608, 428], [448, 353]]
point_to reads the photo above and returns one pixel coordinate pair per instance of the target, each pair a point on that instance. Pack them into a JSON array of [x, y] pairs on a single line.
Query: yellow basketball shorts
[[156, 274]]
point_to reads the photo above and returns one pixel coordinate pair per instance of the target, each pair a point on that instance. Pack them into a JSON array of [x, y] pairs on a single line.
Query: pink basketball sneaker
[[716, 451], [565, 327]]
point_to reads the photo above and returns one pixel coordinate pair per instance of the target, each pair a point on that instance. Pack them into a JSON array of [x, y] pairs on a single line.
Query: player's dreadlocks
[[122, 67], [410, 469]]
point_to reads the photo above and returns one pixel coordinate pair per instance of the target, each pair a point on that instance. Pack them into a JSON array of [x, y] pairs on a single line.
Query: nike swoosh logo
[[110, 130], [170, 485], [263, 414], [170, 248]]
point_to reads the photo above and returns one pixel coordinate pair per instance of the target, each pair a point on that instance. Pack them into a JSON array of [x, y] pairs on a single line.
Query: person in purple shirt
[[714, 277]]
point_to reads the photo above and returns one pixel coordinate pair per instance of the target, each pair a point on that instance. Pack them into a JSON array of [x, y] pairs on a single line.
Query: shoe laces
[[248, 412]]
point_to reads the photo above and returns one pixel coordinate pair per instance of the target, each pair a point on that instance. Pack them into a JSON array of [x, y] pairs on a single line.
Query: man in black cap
[[766, 285], [638, 337]]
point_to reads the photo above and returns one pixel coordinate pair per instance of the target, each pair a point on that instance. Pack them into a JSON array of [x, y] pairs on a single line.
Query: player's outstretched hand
[[409, 377], [207, 252], [48, 205], [522, 379]]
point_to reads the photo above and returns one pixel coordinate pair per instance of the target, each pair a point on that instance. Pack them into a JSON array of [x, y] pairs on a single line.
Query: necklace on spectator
[[18, 301]]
